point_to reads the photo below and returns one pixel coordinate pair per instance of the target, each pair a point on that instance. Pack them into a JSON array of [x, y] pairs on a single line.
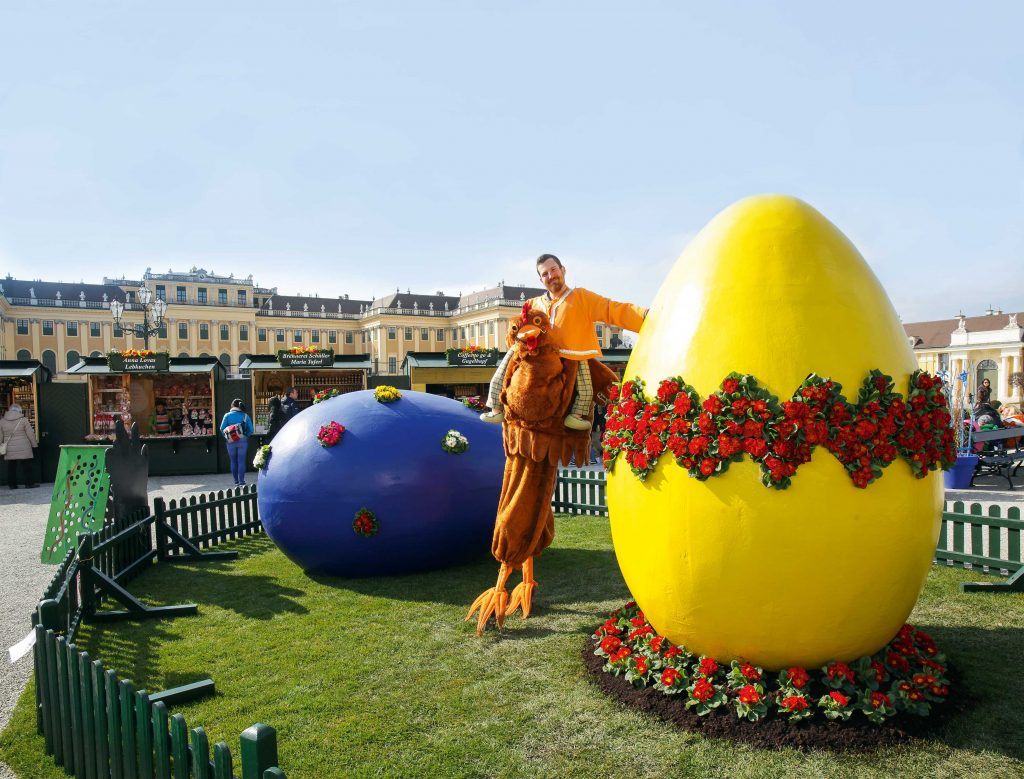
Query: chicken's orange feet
[[492, 602], [522, 595]]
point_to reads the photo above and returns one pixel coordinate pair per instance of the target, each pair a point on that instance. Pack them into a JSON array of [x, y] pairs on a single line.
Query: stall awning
[[10, 369], [98, 365], [616, 356], [269, 362], [439, 360]]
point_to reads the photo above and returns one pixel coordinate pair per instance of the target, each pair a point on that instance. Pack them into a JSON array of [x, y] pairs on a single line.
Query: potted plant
[[961, 417]]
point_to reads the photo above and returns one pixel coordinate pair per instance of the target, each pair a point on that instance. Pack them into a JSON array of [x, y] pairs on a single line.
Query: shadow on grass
[[216, 584], [564, 575], [986, 663]]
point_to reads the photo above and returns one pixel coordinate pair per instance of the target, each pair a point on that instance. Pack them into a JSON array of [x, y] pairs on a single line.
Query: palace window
[[332, 337], [202, 295], [222, 296], [162, 332], [261, 334], [314, 336], [392, 332], [440, 335], [71, 328], [279, 335], [297, 336], [182, 329], [224, 335], [424, 334], [243, 333], [180, 294], [241, 297], [392, 364], [408, 334], [161, 292], [47, 327], [204, 331], [94, 329]]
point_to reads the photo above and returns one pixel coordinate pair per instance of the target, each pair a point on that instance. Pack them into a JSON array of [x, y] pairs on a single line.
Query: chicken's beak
[[528, 331]]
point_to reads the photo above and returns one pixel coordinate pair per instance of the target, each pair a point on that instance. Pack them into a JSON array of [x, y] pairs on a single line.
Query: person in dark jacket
[[277, 417], [291, 408]]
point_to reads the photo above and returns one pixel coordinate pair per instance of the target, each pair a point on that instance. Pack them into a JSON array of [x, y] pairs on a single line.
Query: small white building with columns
[[989, 346]]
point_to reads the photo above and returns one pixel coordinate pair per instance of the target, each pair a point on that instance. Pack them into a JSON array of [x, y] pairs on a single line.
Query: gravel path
[[23, 515]]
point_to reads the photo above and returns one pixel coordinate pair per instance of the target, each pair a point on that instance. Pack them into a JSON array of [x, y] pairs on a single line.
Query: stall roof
[[440, 360], [16, 368], [177, 365], [269, 362], [616, 355]]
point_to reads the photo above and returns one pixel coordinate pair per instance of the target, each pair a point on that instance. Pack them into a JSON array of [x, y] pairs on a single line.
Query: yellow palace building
[[226, 317]]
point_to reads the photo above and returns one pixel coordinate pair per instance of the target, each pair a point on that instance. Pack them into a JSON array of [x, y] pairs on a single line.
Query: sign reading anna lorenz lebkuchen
[[137, 363], [315, 358]]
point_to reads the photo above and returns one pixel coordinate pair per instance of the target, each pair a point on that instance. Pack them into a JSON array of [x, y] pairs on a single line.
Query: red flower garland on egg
[[744, 419]]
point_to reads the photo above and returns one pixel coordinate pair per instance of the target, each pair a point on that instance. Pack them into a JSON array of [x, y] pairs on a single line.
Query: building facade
[[984, 347], [210, 315]]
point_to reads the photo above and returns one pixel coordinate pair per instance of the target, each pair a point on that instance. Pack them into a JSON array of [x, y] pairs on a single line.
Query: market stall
[[171, 399], [456, 373], [462, 374], [19, 383], [309, 371]]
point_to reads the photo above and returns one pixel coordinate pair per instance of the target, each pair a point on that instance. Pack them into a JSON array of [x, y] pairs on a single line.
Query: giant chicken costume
[[536, 394]]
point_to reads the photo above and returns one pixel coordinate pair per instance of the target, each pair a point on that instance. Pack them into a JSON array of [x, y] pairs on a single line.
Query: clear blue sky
[[358, 147]]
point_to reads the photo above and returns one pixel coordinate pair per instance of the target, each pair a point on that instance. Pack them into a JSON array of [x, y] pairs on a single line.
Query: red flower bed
[[906, 676], [742, 419]]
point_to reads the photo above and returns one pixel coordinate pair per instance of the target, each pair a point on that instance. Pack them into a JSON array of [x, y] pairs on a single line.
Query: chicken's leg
[[492, 602], [522, 595]]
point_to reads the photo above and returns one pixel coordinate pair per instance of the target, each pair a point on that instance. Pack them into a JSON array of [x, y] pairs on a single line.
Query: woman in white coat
[[17, 435]]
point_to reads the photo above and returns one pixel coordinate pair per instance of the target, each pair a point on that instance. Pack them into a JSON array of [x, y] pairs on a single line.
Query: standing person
[[573, 314], [985, 391], [236, 427], [18, 440], [277, 417], [290, 407], [596, 434]]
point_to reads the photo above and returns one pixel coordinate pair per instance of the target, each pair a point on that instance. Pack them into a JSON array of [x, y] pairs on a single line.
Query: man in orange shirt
[[573, 314]]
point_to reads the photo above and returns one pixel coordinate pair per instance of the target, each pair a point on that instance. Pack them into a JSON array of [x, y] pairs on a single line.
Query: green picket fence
[[580, 492], [975, 537], [971, 536], [207, 520], [98, 726]]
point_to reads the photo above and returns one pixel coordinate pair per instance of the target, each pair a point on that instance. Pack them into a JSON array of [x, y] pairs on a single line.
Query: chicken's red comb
[[526, 310]]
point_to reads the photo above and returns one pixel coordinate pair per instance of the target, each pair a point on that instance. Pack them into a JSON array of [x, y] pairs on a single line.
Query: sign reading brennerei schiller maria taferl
[[321, 358], [150, 363]]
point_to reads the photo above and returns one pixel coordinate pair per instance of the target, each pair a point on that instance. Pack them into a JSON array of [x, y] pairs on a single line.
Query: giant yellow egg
[[727, 567]]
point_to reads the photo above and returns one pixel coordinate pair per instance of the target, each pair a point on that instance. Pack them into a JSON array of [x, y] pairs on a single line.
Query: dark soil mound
[[773, 732]]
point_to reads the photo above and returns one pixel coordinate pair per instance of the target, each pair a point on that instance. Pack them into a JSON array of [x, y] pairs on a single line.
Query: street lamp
[[144, 330]]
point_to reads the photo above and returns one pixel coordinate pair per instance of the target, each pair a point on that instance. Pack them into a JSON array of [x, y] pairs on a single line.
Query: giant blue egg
[[432, 508]]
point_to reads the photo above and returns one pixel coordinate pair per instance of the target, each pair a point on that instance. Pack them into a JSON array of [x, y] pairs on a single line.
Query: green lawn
[[382, 677]]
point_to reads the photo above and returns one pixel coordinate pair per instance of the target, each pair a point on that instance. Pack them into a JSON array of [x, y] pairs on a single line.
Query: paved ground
[[23, 515]]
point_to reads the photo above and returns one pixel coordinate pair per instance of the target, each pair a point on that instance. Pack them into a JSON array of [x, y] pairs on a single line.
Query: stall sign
[[317, 358], [149, 363], [472, 358]]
